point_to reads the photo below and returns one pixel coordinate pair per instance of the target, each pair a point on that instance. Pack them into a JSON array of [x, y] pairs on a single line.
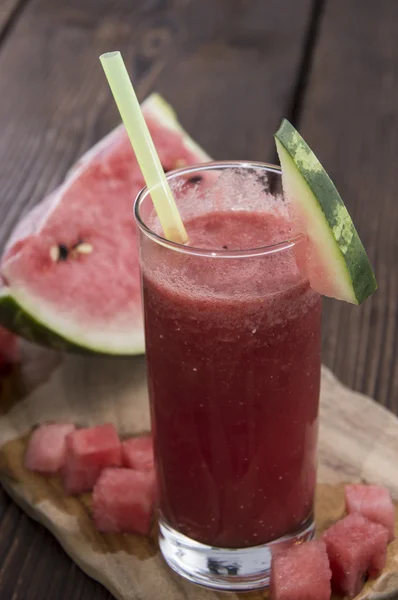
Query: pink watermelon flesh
[[46, 448], [373, 502], [301, 573], [356, 548], [91, 299], [88, 451], [123, 501], [137, 453]]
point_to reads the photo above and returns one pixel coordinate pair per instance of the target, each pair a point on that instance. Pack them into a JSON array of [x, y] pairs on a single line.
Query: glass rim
[[208, 252]]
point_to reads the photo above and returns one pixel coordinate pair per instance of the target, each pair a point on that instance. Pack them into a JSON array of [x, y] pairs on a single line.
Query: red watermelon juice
[[233, 337]]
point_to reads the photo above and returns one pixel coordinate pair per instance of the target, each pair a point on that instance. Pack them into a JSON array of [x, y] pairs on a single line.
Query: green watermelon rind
[[337, 239], [21, 321], [19, 313]]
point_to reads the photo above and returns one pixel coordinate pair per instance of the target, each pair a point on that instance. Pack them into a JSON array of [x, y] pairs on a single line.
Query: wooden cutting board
[[358, 442]]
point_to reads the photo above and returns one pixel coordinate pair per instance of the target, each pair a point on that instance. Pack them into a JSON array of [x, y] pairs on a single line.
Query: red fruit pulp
[[233, 351], [88, 452], [137, 453], [373, 502], [47, 447], [123, 501], [301, 572], [356, 548]]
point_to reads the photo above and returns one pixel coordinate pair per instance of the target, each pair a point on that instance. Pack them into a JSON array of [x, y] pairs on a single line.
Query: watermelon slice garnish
[[70, 271], [333, 258]]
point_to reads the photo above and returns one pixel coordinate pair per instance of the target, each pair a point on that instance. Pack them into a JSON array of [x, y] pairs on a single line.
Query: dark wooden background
[[232, 69]]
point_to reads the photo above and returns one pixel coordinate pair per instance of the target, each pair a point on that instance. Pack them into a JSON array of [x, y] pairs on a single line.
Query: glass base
[[240, 569]]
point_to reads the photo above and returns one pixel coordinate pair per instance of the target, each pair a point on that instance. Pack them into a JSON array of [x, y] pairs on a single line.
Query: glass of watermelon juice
[[233, 336]]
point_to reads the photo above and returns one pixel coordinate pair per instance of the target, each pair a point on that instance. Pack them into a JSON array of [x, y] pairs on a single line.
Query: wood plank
[[234, 76], [350, 118], [7, 10]]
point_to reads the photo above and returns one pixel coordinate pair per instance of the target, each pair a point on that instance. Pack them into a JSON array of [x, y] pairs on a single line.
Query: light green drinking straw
[[143, 146]]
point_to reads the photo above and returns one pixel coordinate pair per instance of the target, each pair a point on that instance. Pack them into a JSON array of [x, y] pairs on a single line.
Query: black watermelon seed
[[63, 252], [195, 179], [225, 247]]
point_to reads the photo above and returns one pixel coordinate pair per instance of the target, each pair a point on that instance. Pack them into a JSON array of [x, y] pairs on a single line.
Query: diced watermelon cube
[[123, 501], [137, 453], [88, 451], [301, 573], [356, 548], [45, 452], [373, 502]]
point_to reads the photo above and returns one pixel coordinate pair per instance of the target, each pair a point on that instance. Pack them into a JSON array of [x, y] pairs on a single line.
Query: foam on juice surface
[[270, 279], [227, 212], [237, 230]]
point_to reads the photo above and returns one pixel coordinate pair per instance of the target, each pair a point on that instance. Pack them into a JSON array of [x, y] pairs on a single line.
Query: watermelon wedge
[[70, 270], [334, 259]]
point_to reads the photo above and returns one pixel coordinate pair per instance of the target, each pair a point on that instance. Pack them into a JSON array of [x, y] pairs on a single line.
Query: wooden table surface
[[232, 69]]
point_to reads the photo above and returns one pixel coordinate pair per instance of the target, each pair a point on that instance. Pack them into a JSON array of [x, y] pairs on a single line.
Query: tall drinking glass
[[233, 336]]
